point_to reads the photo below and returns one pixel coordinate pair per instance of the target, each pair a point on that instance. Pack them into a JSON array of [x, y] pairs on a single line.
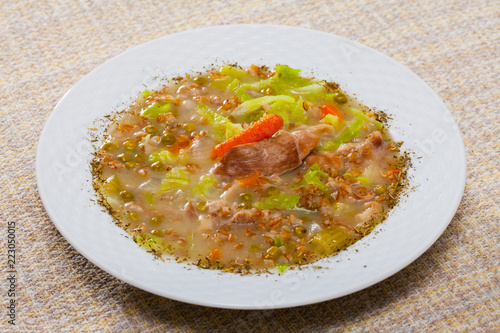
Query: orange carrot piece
[[214, 255], [250, 181], [330, 109], [260, 130]]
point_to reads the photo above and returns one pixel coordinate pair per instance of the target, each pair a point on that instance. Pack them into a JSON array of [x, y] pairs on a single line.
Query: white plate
[[421, 120]]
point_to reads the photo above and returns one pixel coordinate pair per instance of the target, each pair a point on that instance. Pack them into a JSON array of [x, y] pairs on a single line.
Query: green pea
[[130, 165], [151, 129], [340, 98], [156, 232], [300, 231], [246, 196], [140, 157], [200, 80], [168, 139], [108, 146], [155, 220], [126, 196], [133, 216], [380, 189], [272, 190], [202, 206], [245, 205], [189, 127], [123, 158], [158, 166], [273, 252], [130, 145]]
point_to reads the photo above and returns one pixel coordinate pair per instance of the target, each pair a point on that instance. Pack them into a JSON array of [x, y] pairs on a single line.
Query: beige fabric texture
[[48, 46]]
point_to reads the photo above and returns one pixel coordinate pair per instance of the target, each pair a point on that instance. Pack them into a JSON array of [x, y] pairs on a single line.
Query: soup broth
[[247, 169]]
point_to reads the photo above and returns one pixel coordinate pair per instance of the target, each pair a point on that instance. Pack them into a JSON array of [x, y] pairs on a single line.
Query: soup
[[247, 170]]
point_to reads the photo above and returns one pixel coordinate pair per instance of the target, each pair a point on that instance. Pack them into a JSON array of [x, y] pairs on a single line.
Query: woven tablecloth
[[48, 46]]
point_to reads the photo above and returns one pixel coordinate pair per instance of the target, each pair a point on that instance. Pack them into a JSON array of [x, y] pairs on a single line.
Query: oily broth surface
[[198, 227]]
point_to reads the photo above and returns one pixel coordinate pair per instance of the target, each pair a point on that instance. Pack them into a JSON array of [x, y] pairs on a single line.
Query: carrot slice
[[330, 109], [260, 130]]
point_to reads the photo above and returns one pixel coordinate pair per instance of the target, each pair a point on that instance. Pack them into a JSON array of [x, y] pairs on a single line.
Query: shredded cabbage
[[313, 177], [343, 209], [167, 157], [154, 243], [205, 184], [157, 109], [278, 201], [221, 83], [242, 95], [329, 241], [297, 113], [290, 112], [285, 79], [113, 185], [285, 106], [313, 92], [282, 267], [332, 120], [278, 241], [175, 178], [234, 72], [360, 115], [363, 180], [347, 134], [223, 127]]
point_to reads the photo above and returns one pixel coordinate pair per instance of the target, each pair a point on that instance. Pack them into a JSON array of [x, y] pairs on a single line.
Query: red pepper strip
[[330, 109]]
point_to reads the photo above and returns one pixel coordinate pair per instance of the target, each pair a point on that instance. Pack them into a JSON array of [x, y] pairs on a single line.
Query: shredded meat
[[249, 218], [218, 208], [361, 193], [246, 217], [273, 156]]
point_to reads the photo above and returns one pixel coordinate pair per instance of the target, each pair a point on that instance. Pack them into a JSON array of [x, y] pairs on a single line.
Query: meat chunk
[[325, 161], [273, 156], [305, 142], [320, 129], [348, 155], [365, 148]]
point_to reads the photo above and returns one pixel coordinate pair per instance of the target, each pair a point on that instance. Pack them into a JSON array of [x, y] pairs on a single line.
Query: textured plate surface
[[420, 119]]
